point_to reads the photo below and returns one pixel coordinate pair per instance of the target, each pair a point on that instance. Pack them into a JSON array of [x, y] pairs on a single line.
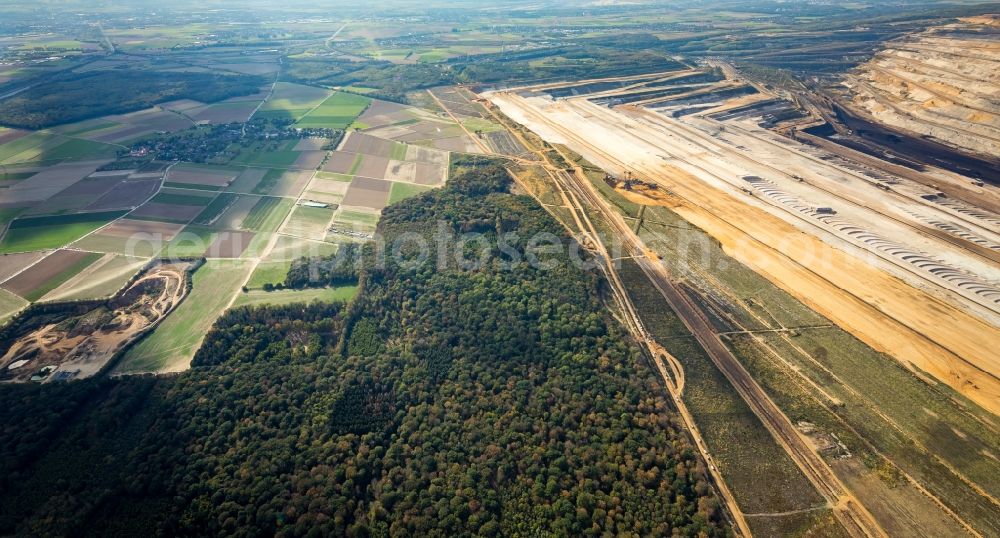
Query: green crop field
[[309, 222], [356, 219], [78, 148], [256, 155], [285, 297], [216, 208], [181, 199], [14, 147], [398, 151], [8, 214], [291, 101], [41, 233], [269, 273], [402, 191], [173, 343], [267, 214], [337, 112], [268, 182]]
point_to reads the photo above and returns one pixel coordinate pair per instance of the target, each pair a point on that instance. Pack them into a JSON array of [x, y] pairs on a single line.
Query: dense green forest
[[71, 97], [591, 59], [443, 401]]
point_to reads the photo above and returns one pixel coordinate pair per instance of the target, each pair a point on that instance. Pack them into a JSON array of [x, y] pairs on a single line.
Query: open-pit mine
[[905, 259]]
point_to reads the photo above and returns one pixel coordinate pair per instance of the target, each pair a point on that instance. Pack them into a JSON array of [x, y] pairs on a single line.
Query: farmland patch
[[336, 112], [10, 304], [216, 176], [402, 191], [266, 214], [308, 222], [11, 264], [39, 233], [248, 181], [365, 192], [191, 242], [288, 248], [101, 279], [166, 212], [292, 101], [139, 238], [214, 210], [229, 244], [49, 273], [340, 162], [269, 272], [126, 195]]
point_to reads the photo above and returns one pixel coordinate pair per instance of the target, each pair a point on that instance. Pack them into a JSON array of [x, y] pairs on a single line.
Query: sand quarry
[[80, 346], [941, 83], [873, 265]]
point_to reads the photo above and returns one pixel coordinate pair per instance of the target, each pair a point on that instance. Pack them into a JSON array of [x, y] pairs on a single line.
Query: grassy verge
[[285, 297]]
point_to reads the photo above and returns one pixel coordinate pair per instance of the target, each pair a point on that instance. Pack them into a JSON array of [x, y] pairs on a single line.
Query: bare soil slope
[[943, 83]]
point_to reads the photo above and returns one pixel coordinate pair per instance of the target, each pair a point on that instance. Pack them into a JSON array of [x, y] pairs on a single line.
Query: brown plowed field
[[28, 281], [127, 194], [11, 264], [129, 228], [340, 162], [168, 211], [229, 244], [365, 192]]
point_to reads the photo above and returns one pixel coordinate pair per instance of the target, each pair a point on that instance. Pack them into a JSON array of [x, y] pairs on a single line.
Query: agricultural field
[[251, 180], [267, 214], [283, 182], [268, 272], [10, 304], [201, 176], [263, 154], [292, 101], [102, 279], [40, 233], [356, 221], [172, 344], [336, 112], [256, 297], [191, 242], [308, 222], [141, 238], [401, 191], [50, 273], [15, 263], [289, 248]]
